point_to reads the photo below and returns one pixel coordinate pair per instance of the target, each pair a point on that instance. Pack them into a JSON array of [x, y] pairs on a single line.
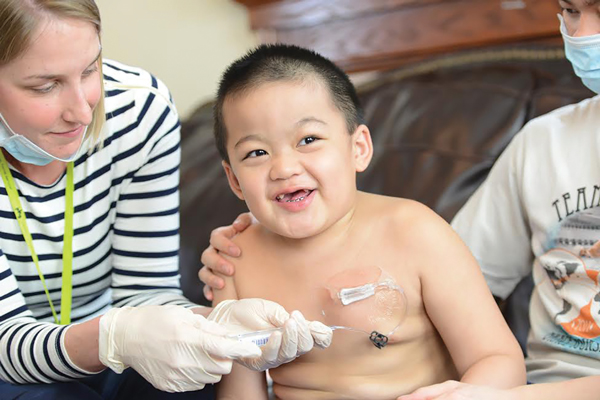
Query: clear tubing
[[347, 296]]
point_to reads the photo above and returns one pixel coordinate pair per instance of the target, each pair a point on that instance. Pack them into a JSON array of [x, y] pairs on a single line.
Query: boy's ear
[[234, 184], [363, 147]]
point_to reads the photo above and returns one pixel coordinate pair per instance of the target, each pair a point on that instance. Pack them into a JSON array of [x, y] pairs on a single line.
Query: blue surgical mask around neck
[[25, 151], [584, 54]]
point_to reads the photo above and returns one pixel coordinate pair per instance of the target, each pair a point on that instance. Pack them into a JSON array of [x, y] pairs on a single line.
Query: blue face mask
[[584, 53], [25, 150]]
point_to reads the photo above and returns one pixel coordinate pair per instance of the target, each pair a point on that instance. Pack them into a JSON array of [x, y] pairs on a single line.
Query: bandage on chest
[[378, 300]]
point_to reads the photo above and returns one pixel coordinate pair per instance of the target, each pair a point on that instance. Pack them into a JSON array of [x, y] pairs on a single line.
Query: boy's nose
[[284, 167]]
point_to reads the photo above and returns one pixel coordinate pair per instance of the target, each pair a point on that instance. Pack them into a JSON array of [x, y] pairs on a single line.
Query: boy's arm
[[581, 389], [241, 382], [461, 307]]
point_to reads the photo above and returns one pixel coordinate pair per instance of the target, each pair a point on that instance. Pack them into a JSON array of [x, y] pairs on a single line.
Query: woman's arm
[[81, 344], [145, 234], [32, 351]]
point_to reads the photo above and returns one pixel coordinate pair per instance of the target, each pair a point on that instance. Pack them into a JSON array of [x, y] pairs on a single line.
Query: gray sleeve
[[494, 223]]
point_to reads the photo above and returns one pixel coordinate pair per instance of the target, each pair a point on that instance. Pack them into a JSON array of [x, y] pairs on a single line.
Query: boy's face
[[582, 17], [291, 157]]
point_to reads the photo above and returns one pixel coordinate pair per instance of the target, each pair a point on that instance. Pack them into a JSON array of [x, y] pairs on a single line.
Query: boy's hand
[[220, 242], [453, 390], [298, 336]]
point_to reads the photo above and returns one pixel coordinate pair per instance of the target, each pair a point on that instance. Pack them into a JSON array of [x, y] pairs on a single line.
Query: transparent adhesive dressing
[[364, 300]]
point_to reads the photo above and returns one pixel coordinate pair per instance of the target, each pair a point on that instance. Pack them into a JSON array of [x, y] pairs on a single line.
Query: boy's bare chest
[[316, 287]]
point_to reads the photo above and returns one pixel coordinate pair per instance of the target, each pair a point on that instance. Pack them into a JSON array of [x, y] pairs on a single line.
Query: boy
[[288, 126]]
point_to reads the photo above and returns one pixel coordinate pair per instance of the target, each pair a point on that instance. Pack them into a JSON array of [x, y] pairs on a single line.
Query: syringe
[[346, 296], [260, 338]]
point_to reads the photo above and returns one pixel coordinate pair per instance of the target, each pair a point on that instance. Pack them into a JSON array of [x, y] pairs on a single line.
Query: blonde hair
[[19, 20]]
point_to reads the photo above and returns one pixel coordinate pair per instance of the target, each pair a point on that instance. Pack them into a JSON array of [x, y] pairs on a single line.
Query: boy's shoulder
[[406, 225], [398, 212], [254, 242]]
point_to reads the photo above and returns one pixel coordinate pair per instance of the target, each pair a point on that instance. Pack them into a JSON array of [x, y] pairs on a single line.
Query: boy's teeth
[[291, 197]]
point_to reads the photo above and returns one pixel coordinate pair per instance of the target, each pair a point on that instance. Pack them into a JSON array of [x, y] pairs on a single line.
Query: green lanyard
[[67, 258]]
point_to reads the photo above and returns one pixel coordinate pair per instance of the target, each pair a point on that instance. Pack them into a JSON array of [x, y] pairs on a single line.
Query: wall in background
[[186, 43]]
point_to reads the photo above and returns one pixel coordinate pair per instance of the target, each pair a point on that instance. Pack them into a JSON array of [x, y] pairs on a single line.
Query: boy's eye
[[569, 10], [308, 140], [256, 153]]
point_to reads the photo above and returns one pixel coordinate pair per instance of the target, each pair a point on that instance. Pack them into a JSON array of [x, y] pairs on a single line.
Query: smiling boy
[[288, 126]]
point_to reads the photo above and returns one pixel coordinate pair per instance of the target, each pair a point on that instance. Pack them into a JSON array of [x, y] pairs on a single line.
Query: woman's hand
[[220, 242], [250, 315], [453, 390], [173, 348]]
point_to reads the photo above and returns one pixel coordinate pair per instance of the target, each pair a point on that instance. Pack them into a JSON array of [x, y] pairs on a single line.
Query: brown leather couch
[[437, 126]]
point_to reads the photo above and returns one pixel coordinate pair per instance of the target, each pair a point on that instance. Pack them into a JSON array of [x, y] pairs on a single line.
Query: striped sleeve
[[32, 352], [126, 237], [146, 231]]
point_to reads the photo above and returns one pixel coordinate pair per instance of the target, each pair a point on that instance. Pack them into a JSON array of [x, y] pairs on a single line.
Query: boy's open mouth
[[292, 197]]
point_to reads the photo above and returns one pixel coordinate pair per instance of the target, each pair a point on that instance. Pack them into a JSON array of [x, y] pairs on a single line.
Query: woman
[[89, 210]]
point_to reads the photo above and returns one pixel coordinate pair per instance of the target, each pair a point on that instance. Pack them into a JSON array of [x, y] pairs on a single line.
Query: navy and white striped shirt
[[126, 230]]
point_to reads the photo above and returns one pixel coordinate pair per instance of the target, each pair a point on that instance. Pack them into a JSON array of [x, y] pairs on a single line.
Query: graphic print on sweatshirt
[[573, 267]]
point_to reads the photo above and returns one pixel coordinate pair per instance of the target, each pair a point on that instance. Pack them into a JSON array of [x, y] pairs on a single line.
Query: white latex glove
[[170, 346], [249, 315]]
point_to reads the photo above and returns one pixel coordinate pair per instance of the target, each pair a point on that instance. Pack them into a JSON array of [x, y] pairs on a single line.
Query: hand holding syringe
[[346, 296]]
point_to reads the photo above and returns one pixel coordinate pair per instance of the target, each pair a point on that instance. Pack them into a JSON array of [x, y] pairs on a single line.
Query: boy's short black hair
[[280, 62]]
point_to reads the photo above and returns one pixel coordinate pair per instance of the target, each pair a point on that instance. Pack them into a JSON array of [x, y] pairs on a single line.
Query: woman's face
[[49, 92]]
